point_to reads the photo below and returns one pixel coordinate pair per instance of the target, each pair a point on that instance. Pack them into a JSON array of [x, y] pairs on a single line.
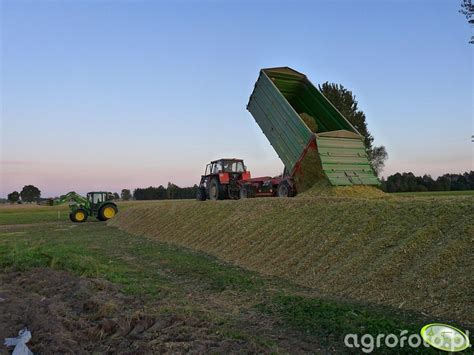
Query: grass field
[[435, 193], [153, 295], [33, 213]]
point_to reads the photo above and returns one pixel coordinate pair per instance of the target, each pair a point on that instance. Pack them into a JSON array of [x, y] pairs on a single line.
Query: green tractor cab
[[98, 204]]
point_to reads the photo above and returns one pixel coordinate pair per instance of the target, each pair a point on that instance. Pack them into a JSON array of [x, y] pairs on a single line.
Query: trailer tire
[[284, 190], [107, 212], [215, 190], [201, 194], [243, 192]]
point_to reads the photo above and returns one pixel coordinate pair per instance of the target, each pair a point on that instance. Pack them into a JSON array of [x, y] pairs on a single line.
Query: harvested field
[[91, 288], [71, 314], [412, 254]]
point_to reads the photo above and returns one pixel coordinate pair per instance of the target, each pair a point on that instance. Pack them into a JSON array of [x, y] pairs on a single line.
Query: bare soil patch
[[70, 314]]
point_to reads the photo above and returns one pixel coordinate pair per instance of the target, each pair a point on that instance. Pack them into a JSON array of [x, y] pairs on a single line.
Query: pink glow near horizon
[[54, 180]]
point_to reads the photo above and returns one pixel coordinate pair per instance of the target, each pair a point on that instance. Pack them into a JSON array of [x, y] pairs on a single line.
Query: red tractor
[[229, 179]]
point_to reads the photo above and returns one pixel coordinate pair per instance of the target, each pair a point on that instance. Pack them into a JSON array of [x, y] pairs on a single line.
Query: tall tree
[[30, 193], [467, 9], [126, 194], [13, 197], [345, 101]]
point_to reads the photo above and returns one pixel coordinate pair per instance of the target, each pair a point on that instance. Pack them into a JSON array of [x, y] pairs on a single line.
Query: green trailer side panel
[[282, 126]]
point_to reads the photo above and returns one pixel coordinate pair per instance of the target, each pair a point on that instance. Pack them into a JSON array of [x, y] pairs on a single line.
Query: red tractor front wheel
[[201, 194], [215, 190]]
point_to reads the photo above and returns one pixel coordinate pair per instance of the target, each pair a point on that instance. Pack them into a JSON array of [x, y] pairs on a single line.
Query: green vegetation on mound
[[405, 253], [199, 297], [225, 303], [435, 193]]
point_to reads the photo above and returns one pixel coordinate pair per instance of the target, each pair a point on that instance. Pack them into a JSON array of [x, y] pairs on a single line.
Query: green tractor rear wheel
[[107, 212], [78, 216]]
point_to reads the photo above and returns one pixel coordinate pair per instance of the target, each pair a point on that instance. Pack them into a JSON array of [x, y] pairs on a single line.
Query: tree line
[[29, 193], [170, 192], [399, 182], [408, 182]]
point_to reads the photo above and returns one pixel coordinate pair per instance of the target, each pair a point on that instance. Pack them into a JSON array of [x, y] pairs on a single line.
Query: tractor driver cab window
[[238, 167], [97, 198], [217, 168], [234, 167], [228, 166]]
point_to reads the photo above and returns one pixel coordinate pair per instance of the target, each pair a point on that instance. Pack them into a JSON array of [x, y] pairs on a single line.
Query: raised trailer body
[[311, 137]]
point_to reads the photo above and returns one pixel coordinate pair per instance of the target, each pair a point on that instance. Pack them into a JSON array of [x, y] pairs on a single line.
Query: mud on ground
[[70, 314]]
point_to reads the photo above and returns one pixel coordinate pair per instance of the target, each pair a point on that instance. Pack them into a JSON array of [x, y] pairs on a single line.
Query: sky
[[106, 95]]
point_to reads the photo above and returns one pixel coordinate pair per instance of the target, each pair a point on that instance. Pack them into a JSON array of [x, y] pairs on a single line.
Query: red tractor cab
[[229, 179], [221, 180]]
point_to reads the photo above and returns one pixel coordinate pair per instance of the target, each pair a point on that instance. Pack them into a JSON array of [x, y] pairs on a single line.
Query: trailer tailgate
[[344, 160]]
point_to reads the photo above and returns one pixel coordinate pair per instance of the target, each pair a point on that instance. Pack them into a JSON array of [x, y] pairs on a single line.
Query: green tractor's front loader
[[97, 204]]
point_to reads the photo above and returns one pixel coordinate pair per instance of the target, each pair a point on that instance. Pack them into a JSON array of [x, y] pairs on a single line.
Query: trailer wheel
[[215, 190], [79, 215], [107, 212], [284, 190], [243, 192], [201, 194]]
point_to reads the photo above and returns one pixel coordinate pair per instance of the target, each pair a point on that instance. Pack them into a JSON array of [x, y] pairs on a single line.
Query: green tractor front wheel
[[78, 216], [107, 212]]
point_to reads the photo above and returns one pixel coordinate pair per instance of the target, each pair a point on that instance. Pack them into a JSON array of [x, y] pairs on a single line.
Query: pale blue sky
[[125, 94]]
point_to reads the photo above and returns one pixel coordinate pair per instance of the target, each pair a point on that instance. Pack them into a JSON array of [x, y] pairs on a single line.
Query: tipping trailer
[[312, 138]]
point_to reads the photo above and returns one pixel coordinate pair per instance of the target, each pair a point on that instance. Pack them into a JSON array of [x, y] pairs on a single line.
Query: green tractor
[[98, 204]]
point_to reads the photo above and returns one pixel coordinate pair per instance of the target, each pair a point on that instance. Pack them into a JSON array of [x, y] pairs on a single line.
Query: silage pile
[[324, 188], [411, 254], [310, 171]]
